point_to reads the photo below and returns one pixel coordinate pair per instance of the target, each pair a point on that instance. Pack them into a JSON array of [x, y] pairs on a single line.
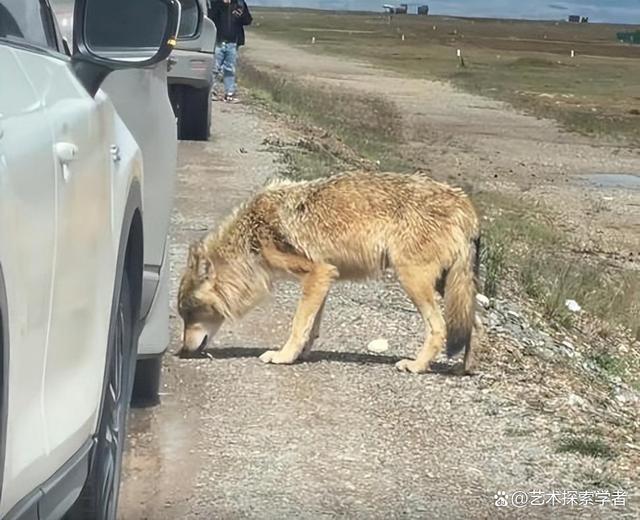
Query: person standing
[[230, 18]]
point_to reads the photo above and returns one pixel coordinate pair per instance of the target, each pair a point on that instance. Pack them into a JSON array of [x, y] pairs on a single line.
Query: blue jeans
[[226, 54]]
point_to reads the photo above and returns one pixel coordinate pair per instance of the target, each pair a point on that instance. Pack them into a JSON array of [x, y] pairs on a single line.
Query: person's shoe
[[231, 98]]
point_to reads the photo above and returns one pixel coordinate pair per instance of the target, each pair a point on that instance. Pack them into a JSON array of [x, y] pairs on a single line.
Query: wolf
[[351, 226]]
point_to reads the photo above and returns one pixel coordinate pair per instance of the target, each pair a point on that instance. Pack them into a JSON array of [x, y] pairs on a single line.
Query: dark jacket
[[230, 19]]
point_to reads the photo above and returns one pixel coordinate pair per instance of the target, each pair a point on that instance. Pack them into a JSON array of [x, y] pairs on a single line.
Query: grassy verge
[[369, 124], [527, 64], [589, 446], [519, 241]]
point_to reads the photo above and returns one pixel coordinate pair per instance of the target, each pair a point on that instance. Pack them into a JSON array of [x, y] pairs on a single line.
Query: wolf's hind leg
[[419, 282], [315, 287]]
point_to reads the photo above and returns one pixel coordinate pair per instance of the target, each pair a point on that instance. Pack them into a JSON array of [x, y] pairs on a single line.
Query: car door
[[27, 253], [85, 254]]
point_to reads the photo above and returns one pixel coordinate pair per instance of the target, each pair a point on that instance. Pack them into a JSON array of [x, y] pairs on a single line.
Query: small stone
[[576, 401], [483, 300], [378, 346], [572, 305]]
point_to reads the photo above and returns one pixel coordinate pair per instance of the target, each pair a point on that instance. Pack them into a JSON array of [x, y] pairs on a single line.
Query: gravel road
[[344, 435]]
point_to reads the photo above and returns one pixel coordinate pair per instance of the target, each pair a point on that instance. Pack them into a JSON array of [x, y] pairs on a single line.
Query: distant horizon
[[624, 12]]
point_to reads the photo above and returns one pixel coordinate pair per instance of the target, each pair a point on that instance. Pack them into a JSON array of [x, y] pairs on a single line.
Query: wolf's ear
[[193, 261], [199, 262]]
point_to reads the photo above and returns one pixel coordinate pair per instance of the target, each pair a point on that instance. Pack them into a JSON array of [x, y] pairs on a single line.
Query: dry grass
[[369, 124]]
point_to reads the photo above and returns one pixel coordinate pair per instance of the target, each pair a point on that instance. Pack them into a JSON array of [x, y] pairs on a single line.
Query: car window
[[188, 19], [27, 20]]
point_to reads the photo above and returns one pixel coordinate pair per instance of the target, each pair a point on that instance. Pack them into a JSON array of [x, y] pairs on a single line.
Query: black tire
[[193, 110], [99, 497], [146, 386]]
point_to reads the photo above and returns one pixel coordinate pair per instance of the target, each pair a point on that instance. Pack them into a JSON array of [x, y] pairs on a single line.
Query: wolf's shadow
[[316, 356]]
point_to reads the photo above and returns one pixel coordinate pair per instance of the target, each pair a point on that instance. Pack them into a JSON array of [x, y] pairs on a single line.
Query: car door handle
[[66, 154]]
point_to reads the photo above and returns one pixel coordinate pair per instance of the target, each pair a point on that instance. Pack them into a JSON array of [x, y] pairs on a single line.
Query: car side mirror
[[117, 34]]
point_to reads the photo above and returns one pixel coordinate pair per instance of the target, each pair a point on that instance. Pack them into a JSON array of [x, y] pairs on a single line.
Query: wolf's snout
[[194, 341]]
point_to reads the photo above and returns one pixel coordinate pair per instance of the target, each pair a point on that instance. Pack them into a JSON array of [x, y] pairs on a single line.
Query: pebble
[[572, 305], [378, 345], [483, 300]]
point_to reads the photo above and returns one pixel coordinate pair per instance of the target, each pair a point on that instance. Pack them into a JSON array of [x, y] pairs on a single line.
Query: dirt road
[[344, 435]]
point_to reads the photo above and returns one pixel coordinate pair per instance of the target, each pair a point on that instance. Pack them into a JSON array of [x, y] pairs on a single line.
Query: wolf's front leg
[[306, 321]]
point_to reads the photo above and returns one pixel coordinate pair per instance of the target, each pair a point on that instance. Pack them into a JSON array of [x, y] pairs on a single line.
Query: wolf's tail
[[459, 298]]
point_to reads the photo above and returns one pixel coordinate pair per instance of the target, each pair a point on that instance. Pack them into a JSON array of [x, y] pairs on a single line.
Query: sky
[[615, 11]]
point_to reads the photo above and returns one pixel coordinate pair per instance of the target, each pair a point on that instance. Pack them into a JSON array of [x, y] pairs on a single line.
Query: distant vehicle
[[190, 72], [632, 37], [88, 154], [392, 9], [423, 10]]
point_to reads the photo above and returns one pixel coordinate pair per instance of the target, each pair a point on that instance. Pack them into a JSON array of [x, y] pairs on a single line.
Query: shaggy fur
[[350, 226]]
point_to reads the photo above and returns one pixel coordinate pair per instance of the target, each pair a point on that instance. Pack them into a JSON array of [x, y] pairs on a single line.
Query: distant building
[[574, 18], [584, 19], [423, 10]]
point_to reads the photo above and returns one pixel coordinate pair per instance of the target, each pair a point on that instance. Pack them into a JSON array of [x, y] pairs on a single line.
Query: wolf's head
[[197, 301]]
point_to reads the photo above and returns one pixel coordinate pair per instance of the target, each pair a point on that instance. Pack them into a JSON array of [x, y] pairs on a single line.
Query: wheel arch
[[129, 263]]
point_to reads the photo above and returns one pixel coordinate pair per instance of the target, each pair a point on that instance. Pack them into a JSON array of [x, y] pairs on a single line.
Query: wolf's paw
[[410, 365], [276, 357]]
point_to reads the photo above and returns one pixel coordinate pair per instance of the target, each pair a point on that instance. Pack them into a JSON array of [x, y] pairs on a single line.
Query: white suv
[[87, 165]]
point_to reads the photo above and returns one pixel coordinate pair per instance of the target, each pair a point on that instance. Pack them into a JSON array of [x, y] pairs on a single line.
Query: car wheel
[[196, 113], [99, 497], [146, 386]]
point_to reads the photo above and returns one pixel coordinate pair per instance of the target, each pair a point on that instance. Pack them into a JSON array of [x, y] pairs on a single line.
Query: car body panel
[[153, 126], [192, 62], [27, 247]]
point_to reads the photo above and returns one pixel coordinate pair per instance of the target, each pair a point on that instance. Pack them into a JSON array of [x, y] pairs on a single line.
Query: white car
[[87, 166]]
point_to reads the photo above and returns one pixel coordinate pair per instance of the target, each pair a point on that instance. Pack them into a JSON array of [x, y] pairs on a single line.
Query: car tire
[[99, 497], [146, 386], [192, 107]]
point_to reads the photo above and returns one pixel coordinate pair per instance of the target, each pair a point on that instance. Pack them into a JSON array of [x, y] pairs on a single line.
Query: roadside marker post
[[460, 58]]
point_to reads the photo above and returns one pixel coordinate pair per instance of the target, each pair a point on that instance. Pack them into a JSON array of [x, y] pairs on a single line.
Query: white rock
[[483, 300], [378, 345], [576, 401], [573, 305]]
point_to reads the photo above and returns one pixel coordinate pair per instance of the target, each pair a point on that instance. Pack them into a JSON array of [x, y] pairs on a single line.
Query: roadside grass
[[526, 64], [588, 446], [518, 240], [369, 124]]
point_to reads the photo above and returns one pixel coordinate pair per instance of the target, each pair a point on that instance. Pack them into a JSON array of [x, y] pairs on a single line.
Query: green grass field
[[527, 64]]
